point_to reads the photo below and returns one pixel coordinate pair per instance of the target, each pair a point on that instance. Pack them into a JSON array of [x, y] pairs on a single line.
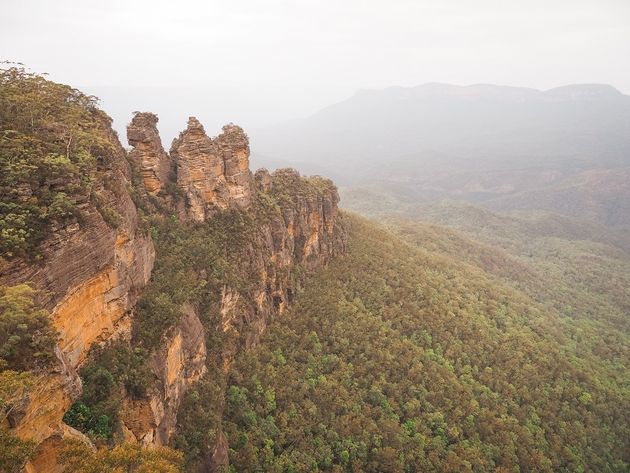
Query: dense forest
[[408, 357]]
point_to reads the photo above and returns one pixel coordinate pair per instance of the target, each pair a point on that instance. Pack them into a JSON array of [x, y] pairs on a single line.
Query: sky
[[321, 49], [357, 43]]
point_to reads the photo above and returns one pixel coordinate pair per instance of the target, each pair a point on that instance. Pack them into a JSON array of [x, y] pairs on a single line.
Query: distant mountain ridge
[[575, 91], [476, 143], [478, 120]]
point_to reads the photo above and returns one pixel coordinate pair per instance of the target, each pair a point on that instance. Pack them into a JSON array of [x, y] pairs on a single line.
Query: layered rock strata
[[212, 174], [92, 273], [300, 229], [304, 233], [89, 277], [179, 362], [147, 153]]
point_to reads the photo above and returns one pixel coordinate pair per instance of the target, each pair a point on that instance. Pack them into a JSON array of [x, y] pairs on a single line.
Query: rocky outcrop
[[233, 147], [212, 174], [148, 155], [179, 362], [299, 232], [92, 272], [304, 232], [45, 458], [89, 277], [262, 180]]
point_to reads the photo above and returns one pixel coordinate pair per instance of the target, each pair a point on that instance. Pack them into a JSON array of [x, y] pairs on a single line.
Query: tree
[[27, 338], [14, 452], [51, 136], [78, 457]]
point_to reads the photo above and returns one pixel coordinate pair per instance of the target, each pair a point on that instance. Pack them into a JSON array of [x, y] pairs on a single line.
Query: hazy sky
[[350, 43]]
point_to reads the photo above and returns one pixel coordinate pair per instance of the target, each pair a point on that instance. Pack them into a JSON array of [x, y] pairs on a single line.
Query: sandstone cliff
[[292, 228], [93, 270], [147, 153], [89, 277], [177, 363], [212, 174], [303, 231]]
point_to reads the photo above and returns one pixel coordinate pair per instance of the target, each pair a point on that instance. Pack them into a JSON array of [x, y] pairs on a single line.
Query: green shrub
[[14, 452], [49, 135], [27, 339], [110, 373]]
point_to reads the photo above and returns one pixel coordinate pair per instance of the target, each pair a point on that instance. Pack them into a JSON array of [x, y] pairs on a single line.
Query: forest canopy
[[419, 362]]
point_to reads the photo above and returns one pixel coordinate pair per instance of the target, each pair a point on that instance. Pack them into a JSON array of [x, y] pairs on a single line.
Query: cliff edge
[[249, 239]]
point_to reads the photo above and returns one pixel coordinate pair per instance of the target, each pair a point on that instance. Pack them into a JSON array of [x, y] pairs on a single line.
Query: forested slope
[[410, 357]]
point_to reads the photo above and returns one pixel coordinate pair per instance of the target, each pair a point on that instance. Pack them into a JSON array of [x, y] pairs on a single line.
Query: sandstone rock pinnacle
[[212, 174], [148, 153]]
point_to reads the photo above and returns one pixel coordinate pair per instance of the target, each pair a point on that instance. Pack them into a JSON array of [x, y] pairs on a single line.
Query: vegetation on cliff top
[[51, 139], [56, 150], [422, 352], [194, 261], [289, 187]]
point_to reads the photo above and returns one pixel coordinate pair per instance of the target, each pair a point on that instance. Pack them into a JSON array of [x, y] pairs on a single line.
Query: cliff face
[[293, 228], [212, 174], [89, 277], [177, 363], [302, 232], [92, 273], [147, 153]]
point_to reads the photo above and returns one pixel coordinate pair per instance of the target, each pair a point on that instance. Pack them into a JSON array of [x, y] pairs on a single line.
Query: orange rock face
[[89, 278], [92, 275], [148, 154], [212, 174], [177, 364], [91, 311]]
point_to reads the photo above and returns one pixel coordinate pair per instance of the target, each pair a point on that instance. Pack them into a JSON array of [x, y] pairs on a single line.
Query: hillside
[[487, 123], [579, 267], [169, 310], [125, 277], [403, 357]]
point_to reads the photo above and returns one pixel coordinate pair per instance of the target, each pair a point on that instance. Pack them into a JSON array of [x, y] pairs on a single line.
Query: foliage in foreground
[[27, 339], [77, 457], [14, 452], [26, 343], [111, 372]]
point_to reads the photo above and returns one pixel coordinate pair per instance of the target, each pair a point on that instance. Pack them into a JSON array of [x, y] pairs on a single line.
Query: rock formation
[[300, 234], [178, 363], [147, 153], [92, 273], [302, 229], [212, 174], [89, 277], [305, 232]]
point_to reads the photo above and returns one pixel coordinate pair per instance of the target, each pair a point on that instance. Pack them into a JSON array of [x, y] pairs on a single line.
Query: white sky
[[349, 43]]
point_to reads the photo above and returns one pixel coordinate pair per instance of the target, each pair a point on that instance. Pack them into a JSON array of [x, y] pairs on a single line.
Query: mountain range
[[565, 150], [165, 308]]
